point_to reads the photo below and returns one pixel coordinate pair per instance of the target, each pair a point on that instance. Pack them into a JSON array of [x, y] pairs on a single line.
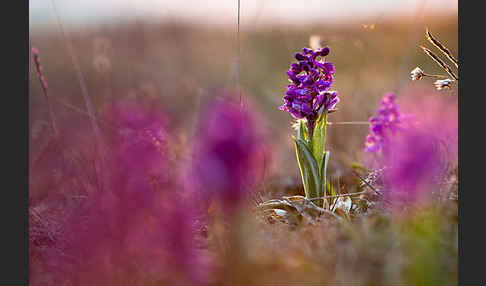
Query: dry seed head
[[39, 68], [443, 83], [43, 83], [417, 73]]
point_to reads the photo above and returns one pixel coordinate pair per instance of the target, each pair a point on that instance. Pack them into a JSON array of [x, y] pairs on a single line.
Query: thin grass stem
[[439, 62], [441, 47]]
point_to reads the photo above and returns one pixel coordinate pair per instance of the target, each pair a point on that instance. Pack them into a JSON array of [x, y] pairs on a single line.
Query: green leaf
[[359, 166], [301, 131], [309, 169], [319, 138], [323, 174], [330, 189]]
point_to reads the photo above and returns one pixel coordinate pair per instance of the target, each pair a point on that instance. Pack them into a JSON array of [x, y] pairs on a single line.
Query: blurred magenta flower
[[139, 142], [413, 166], [385, 124], [310, 77], [137, 230], [113, 239], [227, 154], [420, 155]]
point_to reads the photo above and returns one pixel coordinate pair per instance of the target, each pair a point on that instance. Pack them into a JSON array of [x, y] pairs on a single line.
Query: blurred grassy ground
[[179, 63]]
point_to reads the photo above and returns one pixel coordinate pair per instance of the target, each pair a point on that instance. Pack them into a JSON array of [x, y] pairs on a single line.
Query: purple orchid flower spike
[[383, 126], [310, 78], [309, 100]]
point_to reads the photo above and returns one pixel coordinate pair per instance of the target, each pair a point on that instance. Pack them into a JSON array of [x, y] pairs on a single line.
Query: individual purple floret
[[310, 77], [387, 121]]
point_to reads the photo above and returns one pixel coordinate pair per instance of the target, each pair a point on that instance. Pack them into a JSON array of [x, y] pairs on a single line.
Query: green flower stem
[[312, 157]]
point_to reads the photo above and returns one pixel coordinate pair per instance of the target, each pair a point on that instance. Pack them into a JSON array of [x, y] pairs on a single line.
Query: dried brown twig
[[43, 83], [440, 62], [441, 47], [440, 84]]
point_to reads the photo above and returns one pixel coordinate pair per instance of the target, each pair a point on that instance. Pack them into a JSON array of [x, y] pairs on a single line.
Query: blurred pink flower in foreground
[[138, 229], [227, 153], [139, 142], [421, 154]]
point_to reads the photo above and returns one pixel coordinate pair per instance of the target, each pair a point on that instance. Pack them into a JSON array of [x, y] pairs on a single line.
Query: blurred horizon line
[[253, 13]]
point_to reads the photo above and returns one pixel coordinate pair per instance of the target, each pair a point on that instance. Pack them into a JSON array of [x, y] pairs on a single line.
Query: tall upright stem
[[311, 124]]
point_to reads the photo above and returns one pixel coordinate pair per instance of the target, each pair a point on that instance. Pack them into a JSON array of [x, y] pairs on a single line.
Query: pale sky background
[[87, 12]]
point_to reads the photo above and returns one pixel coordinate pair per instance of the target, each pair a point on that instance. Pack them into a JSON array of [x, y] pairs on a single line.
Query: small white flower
[[417, 73], [443, 83]]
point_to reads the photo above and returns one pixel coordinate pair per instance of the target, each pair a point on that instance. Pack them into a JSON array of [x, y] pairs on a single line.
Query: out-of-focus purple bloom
[[419, 156], [134, 231], [139, 142], [226, 153], [371, 144], [414, 165], [310, 77], [385, 124], [114, 237], [140, 179]]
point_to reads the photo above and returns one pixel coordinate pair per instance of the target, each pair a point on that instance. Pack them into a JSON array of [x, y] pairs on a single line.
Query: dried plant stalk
[[441, 47], [43, 83], [440, 62], [84, 92]]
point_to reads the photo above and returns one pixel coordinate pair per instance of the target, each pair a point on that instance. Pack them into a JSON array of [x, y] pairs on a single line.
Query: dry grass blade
[[365, 182], [43, 83], [349, 123], [84, 92], [80, 111], [298, 205], [440, 62], [441, 47]]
